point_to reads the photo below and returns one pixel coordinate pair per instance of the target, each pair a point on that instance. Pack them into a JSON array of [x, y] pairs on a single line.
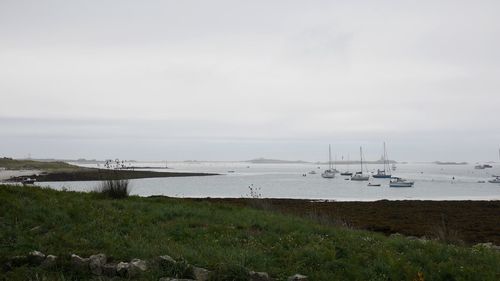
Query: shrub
[[444, 233], [114, 188]]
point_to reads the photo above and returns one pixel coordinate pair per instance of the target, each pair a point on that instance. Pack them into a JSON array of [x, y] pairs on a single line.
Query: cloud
[[255, 71]]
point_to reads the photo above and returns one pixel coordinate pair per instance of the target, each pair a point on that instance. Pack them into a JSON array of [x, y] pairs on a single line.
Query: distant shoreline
[[18, 170], [93, 174]]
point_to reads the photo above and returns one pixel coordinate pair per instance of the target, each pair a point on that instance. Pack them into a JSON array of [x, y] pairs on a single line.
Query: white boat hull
[[401, 184], [328, 175]]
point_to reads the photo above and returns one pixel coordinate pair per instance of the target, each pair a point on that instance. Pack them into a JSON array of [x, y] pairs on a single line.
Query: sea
[[244, 180]]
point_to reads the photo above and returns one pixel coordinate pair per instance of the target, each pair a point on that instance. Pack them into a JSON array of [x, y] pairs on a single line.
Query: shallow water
[[432, 182]]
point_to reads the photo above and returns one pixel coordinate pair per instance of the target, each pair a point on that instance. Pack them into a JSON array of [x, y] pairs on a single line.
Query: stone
[[259, 276], [109, 270], [200, 274], [50, 261], [79, 263], [298, 277], [122, 269], [166, 261], [174, 279], [36, 257], [487, 245], [36, 229], [137, 266], [96, 262]]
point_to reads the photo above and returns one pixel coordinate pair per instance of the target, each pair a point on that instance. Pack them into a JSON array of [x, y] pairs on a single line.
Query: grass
[[115, 189], [226, 238]]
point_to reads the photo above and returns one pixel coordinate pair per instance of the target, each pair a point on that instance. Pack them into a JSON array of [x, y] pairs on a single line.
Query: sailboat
[[329, 173], [383, 174], [346, 173], [359, 176]]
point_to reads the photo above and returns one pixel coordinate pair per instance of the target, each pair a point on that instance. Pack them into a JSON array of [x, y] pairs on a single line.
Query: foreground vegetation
[[458, 222], [217, 236]]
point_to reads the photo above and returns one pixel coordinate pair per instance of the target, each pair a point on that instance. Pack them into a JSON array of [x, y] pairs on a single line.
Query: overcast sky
[[230, 80]]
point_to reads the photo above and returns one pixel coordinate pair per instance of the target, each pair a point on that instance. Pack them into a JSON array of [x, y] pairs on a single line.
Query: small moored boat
[[28, 181], [496, 179], [385, 173], [330, 172], [359, 176], [399, 182]]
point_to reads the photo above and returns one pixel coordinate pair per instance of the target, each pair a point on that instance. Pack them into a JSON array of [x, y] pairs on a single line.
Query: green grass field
[[216, 236]]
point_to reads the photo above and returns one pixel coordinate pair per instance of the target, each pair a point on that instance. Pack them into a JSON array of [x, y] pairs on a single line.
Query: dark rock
[[109, 270], [200, 274], [96, 262], [136, 267], [80, 264], [50, 261], [166, 261], [36, 257], [122, 269]]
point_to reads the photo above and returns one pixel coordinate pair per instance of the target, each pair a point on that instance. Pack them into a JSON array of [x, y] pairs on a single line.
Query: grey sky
[[226, 80]]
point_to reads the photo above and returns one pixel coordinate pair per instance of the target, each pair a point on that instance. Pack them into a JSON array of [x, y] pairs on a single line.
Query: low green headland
[[61, 171], [225, 238], [15, 164]]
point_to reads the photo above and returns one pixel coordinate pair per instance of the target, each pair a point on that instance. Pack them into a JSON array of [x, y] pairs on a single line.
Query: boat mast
[[361, 157], [348, 162], [385, 158], [329, 157]]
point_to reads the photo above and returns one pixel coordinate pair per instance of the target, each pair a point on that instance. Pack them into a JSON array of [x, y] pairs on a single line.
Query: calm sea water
[[432, 182]]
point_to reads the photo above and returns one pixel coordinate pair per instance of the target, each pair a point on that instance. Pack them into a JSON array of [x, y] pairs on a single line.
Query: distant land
[[278, 161], [260, 160], [450, 163], [79, 160], [275, 161]]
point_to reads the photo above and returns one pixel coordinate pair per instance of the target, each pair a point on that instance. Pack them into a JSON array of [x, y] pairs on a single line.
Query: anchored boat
[[496, 179], [359, 176], [330, 172], [399, 182], [383, 174]]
